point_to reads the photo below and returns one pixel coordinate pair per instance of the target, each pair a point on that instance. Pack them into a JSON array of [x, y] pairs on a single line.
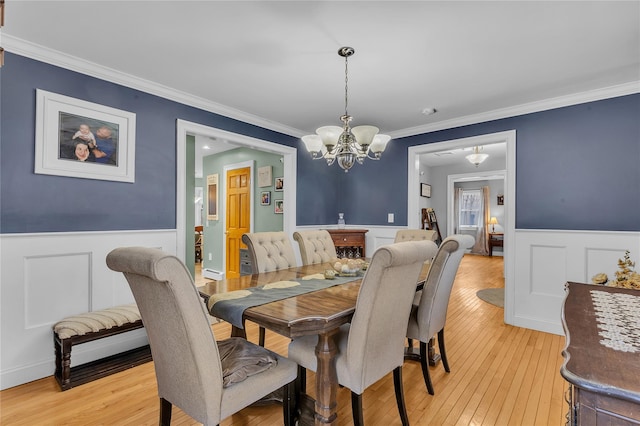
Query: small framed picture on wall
[[425, 190], [264, 176], [279, 184], [279, 207], [265, 198]]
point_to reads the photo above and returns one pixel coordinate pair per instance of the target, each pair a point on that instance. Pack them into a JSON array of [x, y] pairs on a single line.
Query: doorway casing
[[413, 176], [184, 128]]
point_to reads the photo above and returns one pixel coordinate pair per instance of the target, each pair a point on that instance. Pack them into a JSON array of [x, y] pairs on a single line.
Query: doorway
[[507, 137], [184, 239]]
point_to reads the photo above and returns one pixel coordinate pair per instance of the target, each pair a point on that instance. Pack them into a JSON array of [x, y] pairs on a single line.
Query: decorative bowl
[[348, 267]]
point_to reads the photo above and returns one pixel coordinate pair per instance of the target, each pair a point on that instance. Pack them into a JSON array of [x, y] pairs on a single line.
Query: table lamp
[[493, 222]]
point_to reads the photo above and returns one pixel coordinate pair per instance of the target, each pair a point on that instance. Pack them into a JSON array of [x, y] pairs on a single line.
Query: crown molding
[[544, 105], [54, 57], [57, 58]]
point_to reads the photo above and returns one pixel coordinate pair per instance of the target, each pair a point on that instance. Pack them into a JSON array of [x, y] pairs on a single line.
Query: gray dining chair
[[316, 246], [372, 345], [268, 252], [429, 311], [187, 360]]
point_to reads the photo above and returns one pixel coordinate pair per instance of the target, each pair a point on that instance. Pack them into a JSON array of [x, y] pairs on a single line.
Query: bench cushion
[[91, 322]]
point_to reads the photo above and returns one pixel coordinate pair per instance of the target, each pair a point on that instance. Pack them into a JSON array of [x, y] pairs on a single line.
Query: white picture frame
[[264, 176], [278, 206], [279, 184], [58, 122]]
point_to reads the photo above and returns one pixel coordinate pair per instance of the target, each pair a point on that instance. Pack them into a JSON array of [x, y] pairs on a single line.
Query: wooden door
[[238, 217]]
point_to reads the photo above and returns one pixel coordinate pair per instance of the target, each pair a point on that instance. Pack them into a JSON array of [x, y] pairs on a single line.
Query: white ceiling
[[275, 63]]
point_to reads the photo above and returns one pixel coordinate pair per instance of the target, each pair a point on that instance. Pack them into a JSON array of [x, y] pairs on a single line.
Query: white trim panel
[[47, 277], [545, 260]]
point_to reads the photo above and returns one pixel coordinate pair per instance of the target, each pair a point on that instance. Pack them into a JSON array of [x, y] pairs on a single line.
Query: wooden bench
[[89, 327]]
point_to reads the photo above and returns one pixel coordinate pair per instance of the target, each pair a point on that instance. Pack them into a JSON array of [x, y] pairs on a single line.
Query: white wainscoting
[[545, 260], [46, 277]]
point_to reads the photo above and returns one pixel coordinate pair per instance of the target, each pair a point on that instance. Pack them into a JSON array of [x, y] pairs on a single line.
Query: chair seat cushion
[[241, 359]]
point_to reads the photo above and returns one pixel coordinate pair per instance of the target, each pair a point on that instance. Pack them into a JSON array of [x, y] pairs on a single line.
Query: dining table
[[319, 312]]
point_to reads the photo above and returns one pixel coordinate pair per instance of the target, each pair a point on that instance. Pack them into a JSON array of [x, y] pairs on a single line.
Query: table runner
[[230, 306]]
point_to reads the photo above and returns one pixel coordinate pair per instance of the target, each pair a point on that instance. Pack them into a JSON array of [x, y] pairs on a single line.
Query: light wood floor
[[500, 375]]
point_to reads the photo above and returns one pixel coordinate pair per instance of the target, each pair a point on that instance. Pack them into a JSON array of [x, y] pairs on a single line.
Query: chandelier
[[477, 158], [344, 144]]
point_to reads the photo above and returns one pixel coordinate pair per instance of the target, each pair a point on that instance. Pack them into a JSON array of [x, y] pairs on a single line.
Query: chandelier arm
[[376, 156]]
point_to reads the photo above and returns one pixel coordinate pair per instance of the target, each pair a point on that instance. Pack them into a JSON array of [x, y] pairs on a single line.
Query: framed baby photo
[[279, 185], [279, 206], [265, 198], [82, 139]]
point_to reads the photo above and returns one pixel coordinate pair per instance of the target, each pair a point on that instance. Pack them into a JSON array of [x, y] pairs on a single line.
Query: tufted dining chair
[[269, 251], [190, 371], [315, 246], [372, 345], [429, 311], [415, 235]]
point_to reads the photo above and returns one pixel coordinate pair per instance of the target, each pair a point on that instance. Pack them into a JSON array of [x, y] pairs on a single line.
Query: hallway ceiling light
[[344, 144], [477, 158]]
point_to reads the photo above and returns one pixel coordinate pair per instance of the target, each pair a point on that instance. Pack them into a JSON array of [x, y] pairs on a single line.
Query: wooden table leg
[[326, 412], [238, 332]]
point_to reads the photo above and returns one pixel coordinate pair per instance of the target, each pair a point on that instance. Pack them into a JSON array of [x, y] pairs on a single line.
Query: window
[[470, 208]]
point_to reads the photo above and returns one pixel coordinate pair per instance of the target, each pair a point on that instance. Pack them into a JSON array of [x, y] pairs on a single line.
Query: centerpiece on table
[[626, 276], [349, 267]]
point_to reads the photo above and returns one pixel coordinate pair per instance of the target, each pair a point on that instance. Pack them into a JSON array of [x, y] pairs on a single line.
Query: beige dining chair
[[372, 345], [415, 235], [315, 246], [187, 360], [269, 251], [429, 311]]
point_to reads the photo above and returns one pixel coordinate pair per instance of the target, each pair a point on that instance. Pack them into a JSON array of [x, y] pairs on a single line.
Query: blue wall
[[577, 167], [43, 203]]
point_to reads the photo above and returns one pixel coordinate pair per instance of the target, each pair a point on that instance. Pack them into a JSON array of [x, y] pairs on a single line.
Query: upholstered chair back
[[415, 235], [185, 354], [315, 246], [434, 300], [184, 351], [375, 344], [270, 251]]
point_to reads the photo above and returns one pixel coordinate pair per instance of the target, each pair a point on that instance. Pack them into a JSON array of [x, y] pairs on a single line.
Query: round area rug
[[495, 296]]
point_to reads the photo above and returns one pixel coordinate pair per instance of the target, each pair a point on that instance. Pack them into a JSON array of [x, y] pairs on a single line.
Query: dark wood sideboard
[[349, 242], [604, 383]]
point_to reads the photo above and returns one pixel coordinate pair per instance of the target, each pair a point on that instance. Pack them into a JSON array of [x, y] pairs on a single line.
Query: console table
[[349, 242], [602, 354]]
